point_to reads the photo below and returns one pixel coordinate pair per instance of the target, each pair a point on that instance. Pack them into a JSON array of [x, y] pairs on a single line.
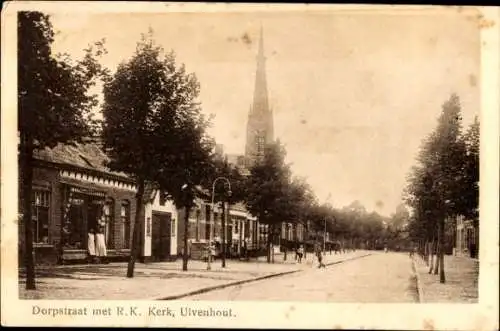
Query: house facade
[[241, 230], [73, 192], [159, 236], [466, 238]]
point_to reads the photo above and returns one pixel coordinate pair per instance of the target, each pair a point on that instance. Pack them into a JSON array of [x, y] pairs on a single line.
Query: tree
[[397, 224], [470, 186], [299, 198], [268, 181], [436, 187], [304, 200], [54, 105], [154, 130]]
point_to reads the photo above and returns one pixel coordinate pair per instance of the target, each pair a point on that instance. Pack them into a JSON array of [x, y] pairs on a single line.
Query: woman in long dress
[[100, 248], [91, 245]]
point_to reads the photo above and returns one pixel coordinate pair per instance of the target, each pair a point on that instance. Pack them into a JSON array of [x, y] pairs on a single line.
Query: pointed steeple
[[260, 124], [260, 97]]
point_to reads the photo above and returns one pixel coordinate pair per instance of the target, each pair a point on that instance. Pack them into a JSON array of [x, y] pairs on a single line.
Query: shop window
[[40, 217], [74, 229], [125, 218]]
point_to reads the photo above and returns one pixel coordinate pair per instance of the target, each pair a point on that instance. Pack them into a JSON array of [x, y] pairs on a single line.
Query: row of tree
[[152, 129], [444, 184], [274, 196]]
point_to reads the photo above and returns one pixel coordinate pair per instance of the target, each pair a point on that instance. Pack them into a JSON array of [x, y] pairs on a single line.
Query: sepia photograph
[[251, 155]]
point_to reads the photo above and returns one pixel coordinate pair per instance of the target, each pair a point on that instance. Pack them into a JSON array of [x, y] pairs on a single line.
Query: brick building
[[240, 227], [74, 192]]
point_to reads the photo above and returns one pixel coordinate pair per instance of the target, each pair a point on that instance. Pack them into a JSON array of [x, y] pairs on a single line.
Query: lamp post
[[212, 221]]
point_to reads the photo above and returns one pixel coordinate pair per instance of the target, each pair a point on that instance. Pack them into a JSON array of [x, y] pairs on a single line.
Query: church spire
[[260, 125], [260, 97]]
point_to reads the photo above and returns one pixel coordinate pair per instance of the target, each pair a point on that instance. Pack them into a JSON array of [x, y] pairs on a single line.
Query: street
[[380, 277]]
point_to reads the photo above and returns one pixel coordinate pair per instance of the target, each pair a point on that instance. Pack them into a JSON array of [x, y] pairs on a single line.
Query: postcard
[[250, 165]]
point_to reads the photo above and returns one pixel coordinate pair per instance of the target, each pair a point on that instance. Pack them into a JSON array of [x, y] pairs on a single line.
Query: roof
[[88, 156], [239, 206]]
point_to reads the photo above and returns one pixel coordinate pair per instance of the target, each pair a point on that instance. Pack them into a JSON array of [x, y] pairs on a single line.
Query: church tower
[[260, 117]]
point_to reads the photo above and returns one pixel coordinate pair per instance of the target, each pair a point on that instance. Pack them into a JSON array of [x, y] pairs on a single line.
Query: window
[[76, 236], [125, 218], [163, 198], [260, 141], [207, 222], [197, 225], [40, 217], [108, 222], [173, 228], [246, 228]]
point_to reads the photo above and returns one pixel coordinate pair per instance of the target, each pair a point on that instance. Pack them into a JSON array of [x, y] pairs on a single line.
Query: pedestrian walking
[[320, 259], [100, 246], [300, 253], [91, 246]]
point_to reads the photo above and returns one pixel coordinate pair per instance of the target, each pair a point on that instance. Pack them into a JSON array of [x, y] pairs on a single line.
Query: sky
[[353, 94]]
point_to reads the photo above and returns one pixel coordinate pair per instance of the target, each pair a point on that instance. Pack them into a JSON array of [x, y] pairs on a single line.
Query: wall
[[169, 207], [118, 195]]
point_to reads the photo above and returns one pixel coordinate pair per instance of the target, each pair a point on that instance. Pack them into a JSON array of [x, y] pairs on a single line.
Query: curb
[[420, 291], [352, 258], [244, 281]]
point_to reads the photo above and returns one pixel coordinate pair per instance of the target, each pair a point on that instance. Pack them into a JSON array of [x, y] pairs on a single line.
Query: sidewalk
[[156, 280], [461, 284]]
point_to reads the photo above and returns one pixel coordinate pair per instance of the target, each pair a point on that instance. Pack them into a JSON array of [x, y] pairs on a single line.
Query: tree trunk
[[272, 244], [268, 244], [442, 278], [27, 179], [185, 255], [134, 252], [437, 251], [430, 260], [223, 222]]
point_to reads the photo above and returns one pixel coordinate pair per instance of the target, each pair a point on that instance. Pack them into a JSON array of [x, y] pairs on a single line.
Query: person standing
[[91, 246], [100, 249]]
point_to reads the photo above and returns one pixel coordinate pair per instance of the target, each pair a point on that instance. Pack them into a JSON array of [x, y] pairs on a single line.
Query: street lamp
[[212, 225]]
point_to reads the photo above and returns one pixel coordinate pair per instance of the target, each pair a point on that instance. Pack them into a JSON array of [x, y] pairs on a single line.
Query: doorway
[[160, 241], [94, 213]]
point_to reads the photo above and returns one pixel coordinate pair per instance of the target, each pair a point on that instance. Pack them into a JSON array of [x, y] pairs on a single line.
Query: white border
[[483, 315]]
